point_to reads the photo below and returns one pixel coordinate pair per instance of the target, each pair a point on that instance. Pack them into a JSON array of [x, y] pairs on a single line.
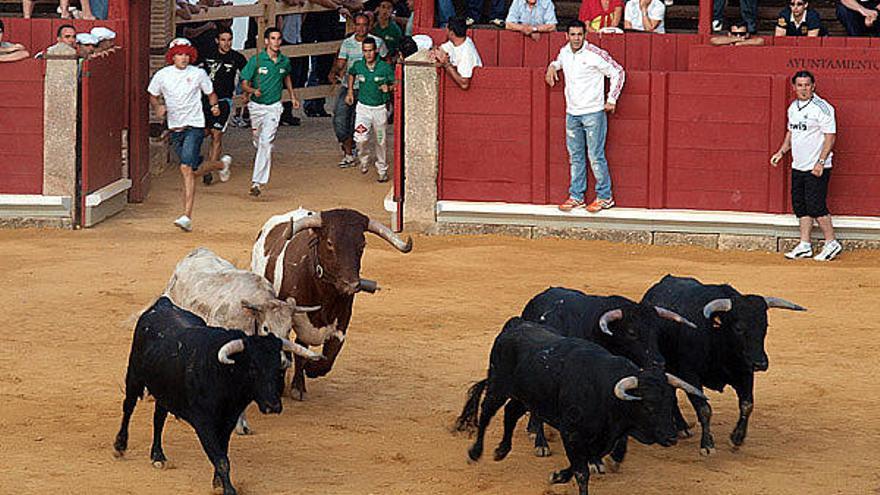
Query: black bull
[[204, 375], [321, 267], [726, 348], [590, 395], [623, 327]]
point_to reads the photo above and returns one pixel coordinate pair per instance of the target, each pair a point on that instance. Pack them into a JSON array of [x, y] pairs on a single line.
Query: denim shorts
[[187, 143]]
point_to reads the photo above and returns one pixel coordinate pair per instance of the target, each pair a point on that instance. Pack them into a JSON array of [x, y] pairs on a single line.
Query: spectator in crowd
[[262, 78], [350, 52], [531, 17], [445, 12], [798, 19], [386, 29], [11, 52], [222, 64], [748, 11], [599, 14], [404, 15], [181, 86], [185, 9], [811, 134], [645, 15], [27, 8], [586, 66], [95, 9], [496, 12], [737, 36], [65, 35], [458, 56], [85, 45], [859, 17], [376, 81]]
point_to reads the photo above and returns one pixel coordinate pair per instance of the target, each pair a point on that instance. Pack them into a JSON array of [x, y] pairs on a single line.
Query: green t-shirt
[[370, 80], [267, 76], [390, 35]]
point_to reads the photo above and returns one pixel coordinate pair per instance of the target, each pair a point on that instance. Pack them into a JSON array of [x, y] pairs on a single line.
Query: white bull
[[224, 296]]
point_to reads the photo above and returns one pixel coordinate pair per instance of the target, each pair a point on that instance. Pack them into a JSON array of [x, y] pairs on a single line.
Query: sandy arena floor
[[379, 423]]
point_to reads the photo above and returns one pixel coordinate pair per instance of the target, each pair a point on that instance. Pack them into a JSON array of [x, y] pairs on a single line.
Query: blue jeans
[[587, 132], [187, 143], [100, 8], [445, 11], [496, 10], [343, 116]]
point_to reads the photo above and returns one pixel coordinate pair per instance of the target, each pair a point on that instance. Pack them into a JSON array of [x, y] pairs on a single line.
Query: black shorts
[[808, 193], [217, 123]]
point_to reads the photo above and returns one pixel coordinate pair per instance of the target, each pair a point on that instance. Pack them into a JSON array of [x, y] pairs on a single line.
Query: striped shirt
[[585, 72]]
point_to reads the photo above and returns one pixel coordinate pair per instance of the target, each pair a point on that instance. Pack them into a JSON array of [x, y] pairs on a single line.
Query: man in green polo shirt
[[375, 80], [262, 78], [387, 29]]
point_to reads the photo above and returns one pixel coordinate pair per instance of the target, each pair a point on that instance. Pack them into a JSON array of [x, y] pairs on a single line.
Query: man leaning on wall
[[11, 52], [458, 56]]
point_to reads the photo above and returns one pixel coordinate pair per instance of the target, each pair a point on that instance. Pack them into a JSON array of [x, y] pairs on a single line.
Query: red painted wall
[[101, 100], [21, 127]]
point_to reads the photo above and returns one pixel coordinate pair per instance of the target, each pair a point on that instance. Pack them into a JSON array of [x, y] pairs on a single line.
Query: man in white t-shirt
[[182, 85], [645, 15], [459, 55], [811, 133]]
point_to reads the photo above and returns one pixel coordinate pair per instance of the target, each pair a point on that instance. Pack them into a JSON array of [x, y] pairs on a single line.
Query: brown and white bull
[[225, 296], [315, 258]]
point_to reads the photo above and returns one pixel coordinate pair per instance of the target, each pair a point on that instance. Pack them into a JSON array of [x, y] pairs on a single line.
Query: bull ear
[[251, 307]]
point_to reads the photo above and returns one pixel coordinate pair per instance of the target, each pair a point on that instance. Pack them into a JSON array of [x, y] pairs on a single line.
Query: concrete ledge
[[35, 210], [107, 201], [711, 229]]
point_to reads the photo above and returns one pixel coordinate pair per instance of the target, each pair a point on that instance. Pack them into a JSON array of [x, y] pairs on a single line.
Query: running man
[[262, 78], [181, 85], [376, 81]]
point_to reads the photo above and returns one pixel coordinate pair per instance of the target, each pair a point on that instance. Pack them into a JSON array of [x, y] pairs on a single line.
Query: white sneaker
[[829, 251], [802, 250], [365, 166], [225, 172], [347, 161], [717, 26], [184, 223]]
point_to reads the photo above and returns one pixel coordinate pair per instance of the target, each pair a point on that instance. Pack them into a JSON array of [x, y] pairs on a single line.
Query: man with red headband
[[182, 85]]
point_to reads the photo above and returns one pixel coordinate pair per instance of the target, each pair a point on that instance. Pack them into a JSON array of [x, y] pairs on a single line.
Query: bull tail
[[467, 420]]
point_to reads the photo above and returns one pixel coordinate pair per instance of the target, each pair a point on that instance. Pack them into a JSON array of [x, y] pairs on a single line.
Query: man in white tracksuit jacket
[[586, 66]]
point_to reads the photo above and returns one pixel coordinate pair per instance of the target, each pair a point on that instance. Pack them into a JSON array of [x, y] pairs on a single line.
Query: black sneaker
[[292, 121], [208, 179], [318, 113]]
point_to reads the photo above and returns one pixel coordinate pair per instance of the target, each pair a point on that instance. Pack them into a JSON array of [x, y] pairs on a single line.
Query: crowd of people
[[99, 42]]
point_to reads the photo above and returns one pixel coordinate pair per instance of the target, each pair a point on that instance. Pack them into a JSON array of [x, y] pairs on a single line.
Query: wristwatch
[[821, 161]]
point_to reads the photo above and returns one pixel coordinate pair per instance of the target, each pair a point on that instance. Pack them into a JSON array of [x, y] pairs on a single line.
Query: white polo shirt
[[182, 90], [585, 73], [656, 12], [808, 123], [463, 57]]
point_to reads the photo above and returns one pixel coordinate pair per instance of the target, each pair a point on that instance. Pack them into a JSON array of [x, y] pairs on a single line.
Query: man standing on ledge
[[262, 78], [586, 67], [810, 137]]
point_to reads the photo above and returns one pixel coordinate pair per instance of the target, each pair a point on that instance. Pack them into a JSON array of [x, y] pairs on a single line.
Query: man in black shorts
[[222, 65], [812, 130]]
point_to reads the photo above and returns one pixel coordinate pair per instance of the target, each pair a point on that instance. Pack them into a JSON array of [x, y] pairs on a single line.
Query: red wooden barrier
[[102, 98], [21, 127]]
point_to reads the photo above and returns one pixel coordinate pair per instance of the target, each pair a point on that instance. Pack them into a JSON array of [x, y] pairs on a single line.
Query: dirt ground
[[379, 423]]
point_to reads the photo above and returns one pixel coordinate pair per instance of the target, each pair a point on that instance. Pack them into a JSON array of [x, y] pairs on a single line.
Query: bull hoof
[[159, 464], [243, 430], [298, 395], [560, 477], [596, 467], [542, 451], [707, 451], [500, 453], [118, 453], [737, 438], [612, 465], [474, 454], [685, 433]]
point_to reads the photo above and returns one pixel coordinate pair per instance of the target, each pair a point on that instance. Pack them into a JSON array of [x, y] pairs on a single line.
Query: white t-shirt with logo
[[808, 123], [463, 57], [656, 12], [182, 89]]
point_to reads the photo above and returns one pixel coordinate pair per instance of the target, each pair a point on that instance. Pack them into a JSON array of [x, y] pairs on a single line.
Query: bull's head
[[276, 317], [744, 319], [261, 358], [341, 244], [631, 331], [652, 415]]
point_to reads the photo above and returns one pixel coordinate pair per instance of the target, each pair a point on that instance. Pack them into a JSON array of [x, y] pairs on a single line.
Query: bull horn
[[385, 233], [608, 317], [778, 302], [307, 222], [672, 315], [715, 306], [625, 384], [228, 349], [300, 350], [687, 387], [301, 309]]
